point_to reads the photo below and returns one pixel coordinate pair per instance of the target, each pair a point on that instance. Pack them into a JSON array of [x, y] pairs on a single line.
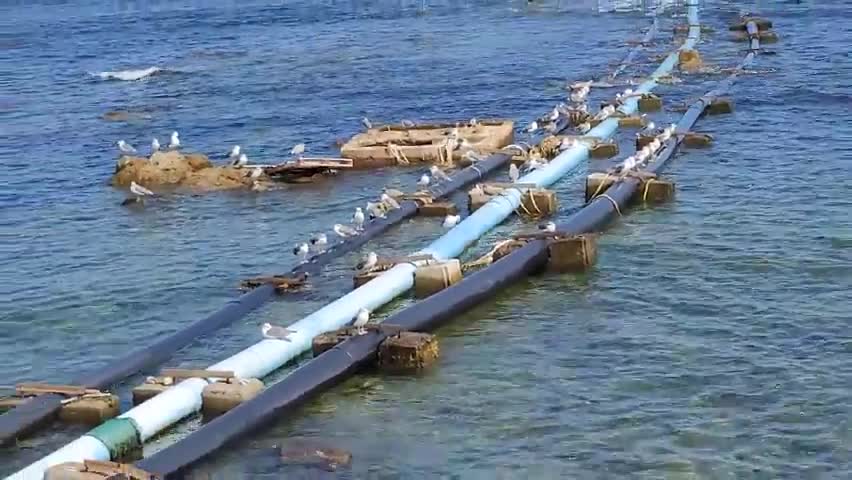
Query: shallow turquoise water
[[710, 340]]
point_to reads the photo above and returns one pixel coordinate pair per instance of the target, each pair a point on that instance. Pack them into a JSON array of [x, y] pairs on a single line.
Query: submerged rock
[[313, 454]]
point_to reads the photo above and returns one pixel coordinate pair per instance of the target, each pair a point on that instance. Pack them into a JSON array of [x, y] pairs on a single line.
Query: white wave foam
[[129, 75]]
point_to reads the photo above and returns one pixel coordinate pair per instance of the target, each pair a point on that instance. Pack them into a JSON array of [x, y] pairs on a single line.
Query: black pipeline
[[31, 414]]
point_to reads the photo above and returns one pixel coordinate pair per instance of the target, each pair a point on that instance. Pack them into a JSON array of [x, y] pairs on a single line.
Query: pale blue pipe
[[266, 356]]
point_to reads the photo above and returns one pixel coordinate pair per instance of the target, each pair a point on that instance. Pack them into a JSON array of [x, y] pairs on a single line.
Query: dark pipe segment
[[30, 415]]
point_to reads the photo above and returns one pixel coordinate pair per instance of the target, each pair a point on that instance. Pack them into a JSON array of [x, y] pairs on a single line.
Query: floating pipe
[[142, 422], [334, 365], [35, 412]]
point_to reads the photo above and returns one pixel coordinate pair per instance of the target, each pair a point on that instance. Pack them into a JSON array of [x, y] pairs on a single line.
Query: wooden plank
[[196, 373], [25, 389], [112, 468], [322, 162], [510, 185]]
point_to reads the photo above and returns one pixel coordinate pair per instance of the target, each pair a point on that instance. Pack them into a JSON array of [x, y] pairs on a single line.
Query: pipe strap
[[119, 435]]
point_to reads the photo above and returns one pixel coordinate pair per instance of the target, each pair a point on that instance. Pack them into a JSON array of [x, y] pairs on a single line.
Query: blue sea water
[[711, 340]]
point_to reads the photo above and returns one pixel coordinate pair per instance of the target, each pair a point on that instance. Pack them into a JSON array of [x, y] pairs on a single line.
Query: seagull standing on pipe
[[389, 201], [319, 241], [368, 262], [549, 227], [174, 142], [274, 332], [343, 231], [438, 173], [424, 181], [302, 252], [358, 219], [125, 148], [514, 173], [361, 319], [375, 210], [451, 221]]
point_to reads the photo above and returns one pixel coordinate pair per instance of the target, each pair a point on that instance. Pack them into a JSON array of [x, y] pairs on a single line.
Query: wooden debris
[[307, 169], [438, 209], [280, 282], [32, 389]]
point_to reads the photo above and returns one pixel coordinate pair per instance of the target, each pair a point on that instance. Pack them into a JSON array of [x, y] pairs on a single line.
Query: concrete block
[[408, 351], [572, 254], [219, 397], [431, 279]]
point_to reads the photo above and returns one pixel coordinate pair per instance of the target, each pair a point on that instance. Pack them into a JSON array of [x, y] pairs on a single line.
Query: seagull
[[424, 181], [235, 152], [567, 143], [389, 201], [298, 150], [407, 123], [366, 122], [533, 127], [375, 210], [125, 148], [650, 127], [471, 156], [174, 143], [274, 332], [629, 163], [451, 221], [140, 191], [368, 262], [302, 251], [241, 161], [392, 192], [155, 145], [665, 136], [319, 241], [361, 319], [358, 219], [532, 164], [438, 173], [256, 172], [554, 115], [578, 97], [548, 227], [344, 231], [473, 122], [514, 173]]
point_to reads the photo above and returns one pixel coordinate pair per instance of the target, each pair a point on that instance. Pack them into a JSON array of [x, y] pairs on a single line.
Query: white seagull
[[548, 227], [514, 173], [375, 210], [361, 319], [650, 127], [256, 172], [140, 191], [235, 152], [438, 173], [533, 127], [366, 122], [240, 161], [389, 201], [298, 150], [451, 221], [392, 192], [319, 241], [155, 145], [344, 231], [125, 148], [424, 181], [174, 142], [274, 332], [358, 219], [368, 262], [302, 252]]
